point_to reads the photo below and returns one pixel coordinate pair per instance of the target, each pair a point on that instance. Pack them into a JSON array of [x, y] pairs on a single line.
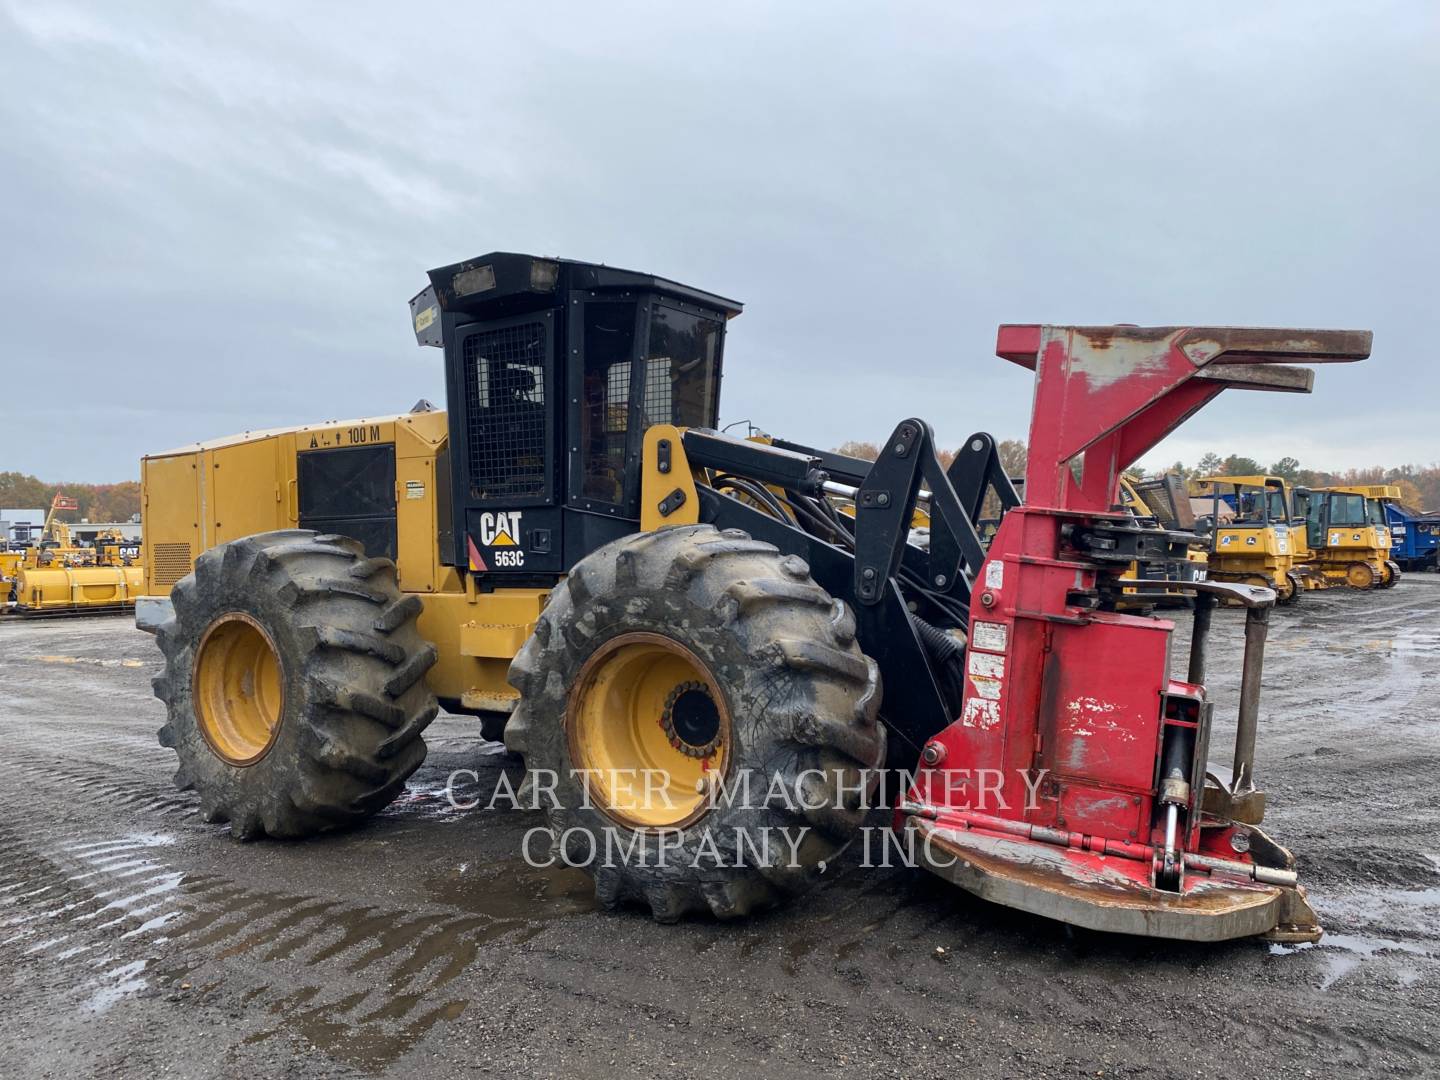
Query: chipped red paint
[[1077, 696]]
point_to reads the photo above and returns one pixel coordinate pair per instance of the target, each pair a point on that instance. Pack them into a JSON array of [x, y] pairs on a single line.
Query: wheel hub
[[691, 720], [648, 726], [238, 689]]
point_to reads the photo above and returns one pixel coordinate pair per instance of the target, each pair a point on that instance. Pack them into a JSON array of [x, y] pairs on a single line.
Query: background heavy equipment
[[57, 577], [1255, 545], [1348, 536], [1162, 503], [1414, 536], [10, 562], [575, 547]]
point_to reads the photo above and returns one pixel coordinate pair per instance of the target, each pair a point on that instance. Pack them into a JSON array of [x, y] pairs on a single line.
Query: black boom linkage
[[905, 597]]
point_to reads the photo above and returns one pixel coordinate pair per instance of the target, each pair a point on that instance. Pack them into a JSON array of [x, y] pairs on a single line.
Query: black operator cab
[[554, 369]]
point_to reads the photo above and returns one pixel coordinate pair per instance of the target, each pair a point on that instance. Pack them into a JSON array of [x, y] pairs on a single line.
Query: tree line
[[98, 502], [1012, 454], [1419, 486]]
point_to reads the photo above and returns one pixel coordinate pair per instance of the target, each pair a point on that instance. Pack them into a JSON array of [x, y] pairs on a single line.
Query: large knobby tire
[[779, 656], [344, 690]]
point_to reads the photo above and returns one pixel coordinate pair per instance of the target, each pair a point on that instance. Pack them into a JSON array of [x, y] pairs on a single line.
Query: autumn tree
[[1286, 467], [866, 450], [1236, 465], [1014, 456], [97, 502]]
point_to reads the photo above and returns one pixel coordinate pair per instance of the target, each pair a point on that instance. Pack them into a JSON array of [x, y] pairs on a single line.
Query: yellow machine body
[[10, 563], [209, 493], [1350, 545], [57, 576], [55, 548], [1193, 569], [1258, 544], [58, 587]]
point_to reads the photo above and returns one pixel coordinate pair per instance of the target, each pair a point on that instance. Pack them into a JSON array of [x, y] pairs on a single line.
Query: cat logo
[[500, 529]]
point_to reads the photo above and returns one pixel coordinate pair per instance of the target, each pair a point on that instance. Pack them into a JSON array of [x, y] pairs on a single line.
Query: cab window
[[1347, 509], [682, 368], [609, 332]]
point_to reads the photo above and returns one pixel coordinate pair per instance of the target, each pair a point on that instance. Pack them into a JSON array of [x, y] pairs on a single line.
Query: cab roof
[[505, 280], [1245, 481], [1370, 491]]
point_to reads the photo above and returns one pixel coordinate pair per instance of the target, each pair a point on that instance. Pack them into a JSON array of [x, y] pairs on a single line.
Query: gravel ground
[[135, 940]]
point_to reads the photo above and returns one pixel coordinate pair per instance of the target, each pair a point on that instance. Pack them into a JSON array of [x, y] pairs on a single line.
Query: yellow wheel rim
[[239, 694], [1360, 575], [650, 728]]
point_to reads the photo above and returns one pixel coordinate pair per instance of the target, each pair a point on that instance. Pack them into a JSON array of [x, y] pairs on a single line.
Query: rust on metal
[[1097, 892]]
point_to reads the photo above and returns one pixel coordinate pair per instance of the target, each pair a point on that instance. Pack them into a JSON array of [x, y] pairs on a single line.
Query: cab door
[[504, 439]]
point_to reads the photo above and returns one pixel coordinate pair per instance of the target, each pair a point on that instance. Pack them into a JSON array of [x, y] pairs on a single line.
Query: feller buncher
[[1261, 540], [1348, 536], [573, 547]]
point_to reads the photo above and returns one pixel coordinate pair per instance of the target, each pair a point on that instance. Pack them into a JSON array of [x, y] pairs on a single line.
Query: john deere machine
[[1256, 536], [1348, 535], [664, 617]]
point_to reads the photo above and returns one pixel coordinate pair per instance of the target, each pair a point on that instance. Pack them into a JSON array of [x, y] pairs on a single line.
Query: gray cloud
[[213, 215]]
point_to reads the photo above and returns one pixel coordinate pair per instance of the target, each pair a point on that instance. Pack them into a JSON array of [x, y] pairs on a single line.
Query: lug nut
[[933, 754]]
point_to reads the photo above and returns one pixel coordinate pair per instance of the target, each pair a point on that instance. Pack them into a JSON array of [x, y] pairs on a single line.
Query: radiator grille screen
[[172, 562], [505, 412]]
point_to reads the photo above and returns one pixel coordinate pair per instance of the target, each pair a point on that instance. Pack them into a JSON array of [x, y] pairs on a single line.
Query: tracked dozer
[[712, 673], [1257, 537], [1348, 537]]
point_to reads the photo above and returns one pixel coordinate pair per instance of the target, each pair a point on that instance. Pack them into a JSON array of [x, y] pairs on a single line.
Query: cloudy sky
[[212, 216]]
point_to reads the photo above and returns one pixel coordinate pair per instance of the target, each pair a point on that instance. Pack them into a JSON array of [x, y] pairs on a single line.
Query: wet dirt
[[136, 940]]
